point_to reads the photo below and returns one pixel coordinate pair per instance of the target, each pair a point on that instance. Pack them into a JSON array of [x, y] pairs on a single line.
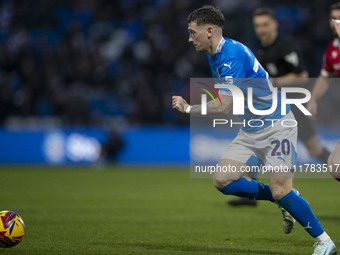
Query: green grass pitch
[[151, 211]]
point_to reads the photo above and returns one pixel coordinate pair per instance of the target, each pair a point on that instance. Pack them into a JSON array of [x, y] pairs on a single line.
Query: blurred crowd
[[101, 62]]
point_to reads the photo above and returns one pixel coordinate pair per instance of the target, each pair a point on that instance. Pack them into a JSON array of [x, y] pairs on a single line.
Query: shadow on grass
[[201, 249], [329, 217]]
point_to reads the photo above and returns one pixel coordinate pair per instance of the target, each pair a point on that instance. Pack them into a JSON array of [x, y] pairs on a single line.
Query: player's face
[[335, 14], [265, 28], [198, 36]]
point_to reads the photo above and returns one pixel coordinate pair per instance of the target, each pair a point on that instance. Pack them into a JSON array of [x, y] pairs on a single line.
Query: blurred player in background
[[230, 60], [282, 61], [334, 158], [330, 68]]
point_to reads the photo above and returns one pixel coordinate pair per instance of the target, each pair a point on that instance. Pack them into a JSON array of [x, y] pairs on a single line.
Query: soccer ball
[[12, 229]]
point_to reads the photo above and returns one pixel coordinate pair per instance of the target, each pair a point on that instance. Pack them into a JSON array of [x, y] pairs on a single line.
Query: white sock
[[322, 238]]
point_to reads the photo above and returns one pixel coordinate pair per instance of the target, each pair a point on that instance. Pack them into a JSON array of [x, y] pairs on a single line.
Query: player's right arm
[[319, 89], [179, 104], [321, 84]]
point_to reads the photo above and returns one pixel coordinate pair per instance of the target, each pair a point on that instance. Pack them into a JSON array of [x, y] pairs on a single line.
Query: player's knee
[[220, 182], [279, 192]]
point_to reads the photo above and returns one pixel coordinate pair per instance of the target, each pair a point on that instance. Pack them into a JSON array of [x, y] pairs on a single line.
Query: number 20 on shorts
[[281, 147]]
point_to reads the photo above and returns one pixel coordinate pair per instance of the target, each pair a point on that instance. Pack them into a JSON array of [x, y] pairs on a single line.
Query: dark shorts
[[305, 127]]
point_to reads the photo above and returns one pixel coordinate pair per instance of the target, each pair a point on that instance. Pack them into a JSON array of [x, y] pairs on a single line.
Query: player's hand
[[312, 107], [179, 104]]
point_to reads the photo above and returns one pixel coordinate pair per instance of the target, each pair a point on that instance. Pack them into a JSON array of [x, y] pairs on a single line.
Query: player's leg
[[281, 184], [301, 211], [232, 182], [279, 188], [315, 149], [307, 135], [223, 178], [295, 204], [237, 157], [334, 162], [241, 201]]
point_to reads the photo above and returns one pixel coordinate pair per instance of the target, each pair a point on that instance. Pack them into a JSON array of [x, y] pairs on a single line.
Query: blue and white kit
[[270, 144]]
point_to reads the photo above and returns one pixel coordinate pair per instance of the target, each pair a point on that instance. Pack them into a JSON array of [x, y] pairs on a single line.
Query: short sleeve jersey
[[331, 59], [280, 58], [233, 63]]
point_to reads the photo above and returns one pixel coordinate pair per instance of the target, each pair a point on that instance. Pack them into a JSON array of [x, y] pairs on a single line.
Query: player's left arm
[[179, 104]]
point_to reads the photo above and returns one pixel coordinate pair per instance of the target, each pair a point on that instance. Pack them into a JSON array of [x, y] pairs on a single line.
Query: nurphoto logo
[[238, 99]]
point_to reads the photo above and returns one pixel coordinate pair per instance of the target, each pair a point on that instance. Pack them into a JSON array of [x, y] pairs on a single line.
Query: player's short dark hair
[[264, 11], [207, 14], [335, 6]]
